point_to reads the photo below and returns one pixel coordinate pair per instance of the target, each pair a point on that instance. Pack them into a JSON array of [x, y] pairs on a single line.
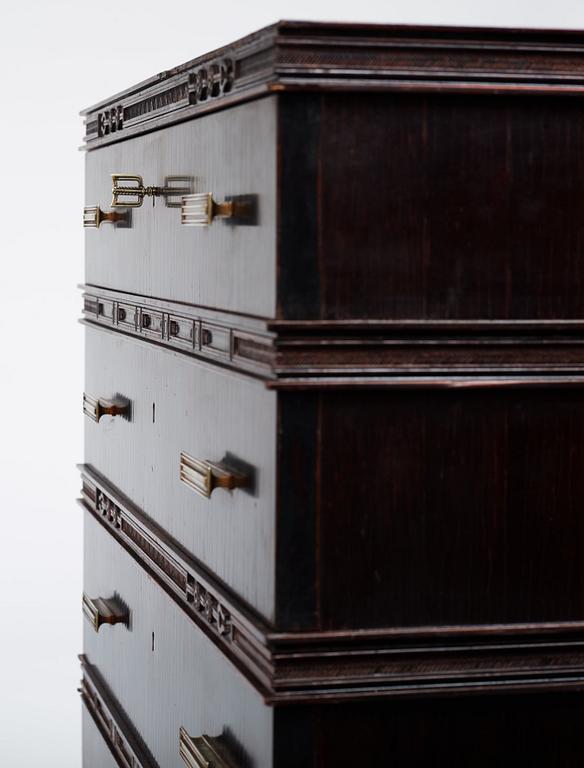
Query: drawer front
[[163, 672], [177, 406], [228, 264]]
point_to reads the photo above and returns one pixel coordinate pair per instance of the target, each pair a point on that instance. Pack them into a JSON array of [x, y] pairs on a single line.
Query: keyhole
[[154, 413], [153, 642]]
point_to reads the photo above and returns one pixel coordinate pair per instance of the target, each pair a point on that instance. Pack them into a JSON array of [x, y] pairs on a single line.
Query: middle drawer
[[181, 418]]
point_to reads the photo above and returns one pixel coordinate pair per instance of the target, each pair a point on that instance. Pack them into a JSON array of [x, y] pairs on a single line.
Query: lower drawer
[[163, 673], [182, 410]]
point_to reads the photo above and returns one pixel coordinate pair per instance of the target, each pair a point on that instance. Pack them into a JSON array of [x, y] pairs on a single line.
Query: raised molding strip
[[334, 665], [121, 737], [224, 339], [312, 56], [351, 354]]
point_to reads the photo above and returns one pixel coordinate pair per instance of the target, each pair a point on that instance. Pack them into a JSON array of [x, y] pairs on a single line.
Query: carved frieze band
[[216, 341], [122, 738], [291, 55], [200, 85], [315, 666], [233, 629]]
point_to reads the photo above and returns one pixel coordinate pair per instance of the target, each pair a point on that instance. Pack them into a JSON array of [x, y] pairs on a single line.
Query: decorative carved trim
[[353, 354], [222, 340], [182, 581], [313, 56], [120, 735], [231, 625], [335, 665]]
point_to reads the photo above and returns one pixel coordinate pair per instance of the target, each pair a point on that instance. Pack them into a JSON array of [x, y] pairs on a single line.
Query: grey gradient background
[[56, 58]]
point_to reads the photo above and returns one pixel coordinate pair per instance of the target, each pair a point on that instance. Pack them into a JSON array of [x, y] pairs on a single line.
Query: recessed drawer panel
[[162, 672], [194, 448], [227, 261]]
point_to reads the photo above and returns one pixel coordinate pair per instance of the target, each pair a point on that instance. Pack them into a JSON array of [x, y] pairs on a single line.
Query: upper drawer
[[231, 262]]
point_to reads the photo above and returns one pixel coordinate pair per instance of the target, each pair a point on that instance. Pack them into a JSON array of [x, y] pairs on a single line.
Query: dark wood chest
[[332, 490]]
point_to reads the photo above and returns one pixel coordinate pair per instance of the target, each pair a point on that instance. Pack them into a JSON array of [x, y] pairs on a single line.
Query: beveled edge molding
[[351, 354], [228, 623], [317, 666], [121, 737], [220, 338], [374, 57]]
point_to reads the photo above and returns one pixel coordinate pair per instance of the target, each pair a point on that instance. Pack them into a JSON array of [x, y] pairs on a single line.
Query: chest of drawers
[[334, 399]]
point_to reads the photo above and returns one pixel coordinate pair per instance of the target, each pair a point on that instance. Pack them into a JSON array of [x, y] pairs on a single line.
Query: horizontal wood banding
[[355, 57], [339, 665], [302, 355]]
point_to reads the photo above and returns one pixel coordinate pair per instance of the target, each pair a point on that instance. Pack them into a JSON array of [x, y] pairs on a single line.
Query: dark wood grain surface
[[432, 207], [440, 507], [178, 404], [226, 266], [164, 673], [486, 732], [412, 416], [296, 55]]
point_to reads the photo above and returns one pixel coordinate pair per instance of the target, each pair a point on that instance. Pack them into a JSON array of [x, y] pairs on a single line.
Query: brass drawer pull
[[200, 209], [204, 476], [94, 217], [94, 408], [203, 751], [100, 611], [129, 191]]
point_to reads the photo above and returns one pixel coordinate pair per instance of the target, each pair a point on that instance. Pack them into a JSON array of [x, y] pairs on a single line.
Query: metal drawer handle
[[94, 217], [203, 751], [100, 611], [129, 191], [204, 476], [94, 408], [200, 209]]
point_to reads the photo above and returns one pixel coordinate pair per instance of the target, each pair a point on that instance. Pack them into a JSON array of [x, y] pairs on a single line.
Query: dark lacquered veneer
[[333, 480]]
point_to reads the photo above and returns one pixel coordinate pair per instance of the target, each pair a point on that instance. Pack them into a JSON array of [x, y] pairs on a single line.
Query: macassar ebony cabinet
[[334, 389]]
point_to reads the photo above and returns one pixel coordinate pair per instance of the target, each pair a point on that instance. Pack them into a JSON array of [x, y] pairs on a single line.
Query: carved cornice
[[313, 56], [351, 354], [121, 737], [336, 665]]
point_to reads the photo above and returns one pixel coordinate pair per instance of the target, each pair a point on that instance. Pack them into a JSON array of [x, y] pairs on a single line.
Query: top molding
[[294, 55]]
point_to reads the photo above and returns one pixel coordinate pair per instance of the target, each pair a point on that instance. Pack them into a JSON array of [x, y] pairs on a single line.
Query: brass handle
[[200, 209], [95, 408], [204, 476], [100, 611], [94, 217], [203, 751], [129, 190]]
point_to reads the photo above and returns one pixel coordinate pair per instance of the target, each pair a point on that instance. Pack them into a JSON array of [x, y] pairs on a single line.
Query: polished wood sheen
[[467, 209], [431, 507], [179, 406], [342, 507], [227, 265], [163, 674]]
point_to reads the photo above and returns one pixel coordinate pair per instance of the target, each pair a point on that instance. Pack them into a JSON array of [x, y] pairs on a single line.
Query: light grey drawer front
[[96, 753], [177, 405], [226, 265], [162, 671]]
